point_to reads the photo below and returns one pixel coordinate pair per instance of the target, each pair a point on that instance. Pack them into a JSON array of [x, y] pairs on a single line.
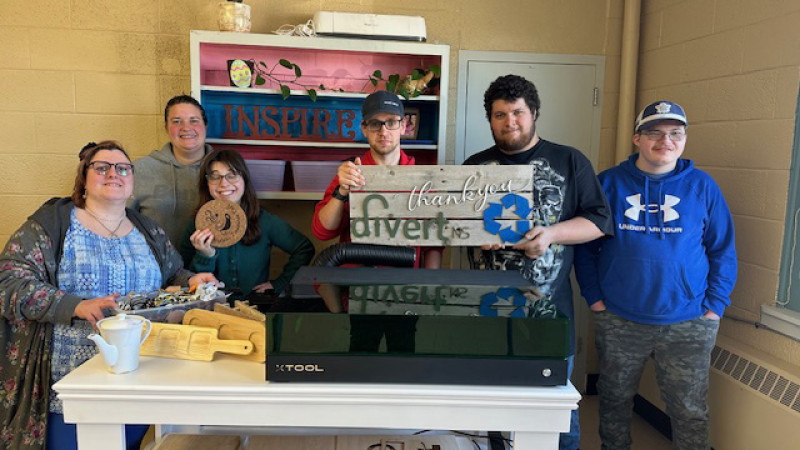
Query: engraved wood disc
[[225, 219]]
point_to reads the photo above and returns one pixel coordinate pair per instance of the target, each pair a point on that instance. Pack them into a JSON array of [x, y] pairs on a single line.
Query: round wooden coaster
[[225, 219]]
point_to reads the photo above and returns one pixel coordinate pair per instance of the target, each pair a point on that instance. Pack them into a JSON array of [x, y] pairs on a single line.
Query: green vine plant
[[264, 73], [411, 86]]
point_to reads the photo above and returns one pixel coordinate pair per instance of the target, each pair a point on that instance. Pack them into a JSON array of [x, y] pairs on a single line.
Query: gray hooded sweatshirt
[[166, 191]]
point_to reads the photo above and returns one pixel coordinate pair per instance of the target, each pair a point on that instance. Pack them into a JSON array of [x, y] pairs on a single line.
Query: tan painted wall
[[735, 66]]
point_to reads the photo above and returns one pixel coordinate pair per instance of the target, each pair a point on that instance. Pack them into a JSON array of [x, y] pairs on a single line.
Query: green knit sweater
[[245, 266]]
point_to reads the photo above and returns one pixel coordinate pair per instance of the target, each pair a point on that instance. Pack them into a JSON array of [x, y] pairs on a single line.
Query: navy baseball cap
[[658, 111], [381, 102]]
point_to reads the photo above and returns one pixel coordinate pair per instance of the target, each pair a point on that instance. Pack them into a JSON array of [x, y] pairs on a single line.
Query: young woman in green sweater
[[246, 264]]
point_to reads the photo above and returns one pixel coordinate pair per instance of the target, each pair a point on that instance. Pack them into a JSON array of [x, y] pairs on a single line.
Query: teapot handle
[[147, 331]]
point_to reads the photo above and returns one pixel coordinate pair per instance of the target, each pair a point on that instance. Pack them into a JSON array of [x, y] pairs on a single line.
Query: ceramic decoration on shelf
[[241, 72]]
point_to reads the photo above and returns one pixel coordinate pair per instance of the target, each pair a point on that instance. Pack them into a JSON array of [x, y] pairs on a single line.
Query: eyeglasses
[[102, 168], [655, 135], [375, 125], [215, 178]]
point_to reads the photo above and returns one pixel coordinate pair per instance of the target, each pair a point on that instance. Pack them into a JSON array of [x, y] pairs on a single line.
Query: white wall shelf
[[338, 64], [344, 145]]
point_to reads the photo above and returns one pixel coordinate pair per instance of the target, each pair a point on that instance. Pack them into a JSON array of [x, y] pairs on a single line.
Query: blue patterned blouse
[[94, 266]]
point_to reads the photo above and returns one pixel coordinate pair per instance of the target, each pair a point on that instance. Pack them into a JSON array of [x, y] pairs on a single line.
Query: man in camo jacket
[[659, 287]]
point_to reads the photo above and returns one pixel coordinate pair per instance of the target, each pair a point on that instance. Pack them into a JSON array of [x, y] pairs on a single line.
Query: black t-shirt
[[565, 186]]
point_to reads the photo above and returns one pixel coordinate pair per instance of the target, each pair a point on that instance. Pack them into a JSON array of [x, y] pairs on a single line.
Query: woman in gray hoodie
[[166, 179]]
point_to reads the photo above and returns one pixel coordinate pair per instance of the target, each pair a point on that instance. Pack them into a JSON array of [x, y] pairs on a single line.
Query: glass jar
[[234, 16]]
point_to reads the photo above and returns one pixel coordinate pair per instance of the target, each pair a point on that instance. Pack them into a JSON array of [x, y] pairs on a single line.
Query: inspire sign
[[253, 116], [443, 205]]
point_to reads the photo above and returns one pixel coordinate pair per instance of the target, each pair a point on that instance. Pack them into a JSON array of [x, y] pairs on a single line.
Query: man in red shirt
[[383, 123]]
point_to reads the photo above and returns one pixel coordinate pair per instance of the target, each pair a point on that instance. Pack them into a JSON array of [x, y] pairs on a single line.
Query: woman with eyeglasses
[[245, 265], [59, 274]]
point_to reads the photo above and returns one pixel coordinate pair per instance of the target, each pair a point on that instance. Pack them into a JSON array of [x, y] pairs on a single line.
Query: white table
[[232, 392]]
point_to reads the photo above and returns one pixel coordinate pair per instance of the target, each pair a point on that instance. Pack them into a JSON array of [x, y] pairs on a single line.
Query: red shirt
[[343, 231]]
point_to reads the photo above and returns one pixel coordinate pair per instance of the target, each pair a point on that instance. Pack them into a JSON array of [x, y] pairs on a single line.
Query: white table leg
[[92, 436], [534, 441], [161, 430]]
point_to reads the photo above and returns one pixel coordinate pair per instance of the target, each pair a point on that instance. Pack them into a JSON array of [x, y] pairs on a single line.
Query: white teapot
[[119, 340]]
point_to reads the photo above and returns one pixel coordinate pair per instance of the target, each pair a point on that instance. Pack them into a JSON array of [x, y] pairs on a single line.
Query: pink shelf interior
[[336, 69]]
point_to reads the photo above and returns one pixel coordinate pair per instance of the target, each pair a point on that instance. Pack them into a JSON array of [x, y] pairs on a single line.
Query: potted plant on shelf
[[234, 16], [410, 86]]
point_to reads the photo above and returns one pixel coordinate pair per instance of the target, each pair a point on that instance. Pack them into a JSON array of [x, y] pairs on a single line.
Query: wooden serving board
[[190, 342], [250, 311], [231, 327], [241, 309], [228, 311]]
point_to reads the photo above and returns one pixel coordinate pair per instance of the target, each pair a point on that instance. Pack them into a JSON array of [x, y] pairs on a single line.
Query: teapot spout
[[109, 352]]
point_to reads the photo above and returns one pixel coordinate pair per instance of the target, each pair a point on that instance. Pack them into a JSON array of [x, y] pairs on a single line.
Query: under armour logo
[[663, 108], [637, 207]]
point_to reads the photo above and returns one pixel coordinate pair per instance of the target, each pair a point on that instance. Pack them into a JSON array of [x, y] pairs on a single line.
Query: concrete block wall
[[74, 72], [735, 66]]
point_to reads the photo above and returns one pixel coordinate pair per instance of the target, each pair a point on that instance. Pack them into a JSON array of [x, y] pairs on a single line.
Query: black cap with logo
[[381, 102]]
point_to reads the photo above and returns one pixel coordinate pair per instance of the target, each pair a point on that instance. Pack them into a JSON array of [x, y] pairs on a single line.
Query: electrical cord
[[304, 29], [492, 438], [496, 440], [378, 445]]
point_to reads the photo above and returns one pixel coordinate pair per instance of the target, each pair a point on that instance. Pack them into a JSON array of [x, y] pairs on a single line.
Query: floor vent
[[756, 376]]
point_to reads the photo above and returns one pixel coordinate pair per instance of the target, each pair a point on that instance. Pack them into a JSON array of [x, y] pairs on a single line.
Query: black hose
[[365, 255]]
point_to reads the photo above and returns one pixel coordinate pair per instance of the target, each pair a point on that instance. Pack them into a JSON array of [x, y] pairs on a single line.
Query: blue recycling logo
[[507, 298], [522, 209]]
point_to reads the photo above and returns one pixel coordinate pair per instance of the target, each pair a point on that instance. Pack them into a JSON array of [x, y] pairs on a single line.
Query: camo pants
[[682, 355]]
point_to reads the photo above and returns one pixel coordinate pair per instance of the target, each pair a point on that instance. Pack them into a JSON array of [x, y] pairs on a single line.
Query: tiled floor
[[644, 436]]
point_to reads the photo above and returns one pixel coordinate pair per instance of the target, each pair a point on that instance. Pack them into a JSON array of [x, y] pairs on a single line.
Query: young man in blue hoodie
[[660, 286]]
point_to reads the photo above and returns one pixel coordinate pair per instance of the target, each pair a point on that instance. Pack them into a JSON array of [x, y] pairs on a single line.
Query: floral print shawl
[[30, 303]]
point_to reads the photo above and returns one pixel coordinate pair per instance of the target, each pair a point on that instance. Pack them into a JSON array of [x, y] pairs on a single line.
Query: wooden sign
[[225, 219], [443, 205], [249, 115]]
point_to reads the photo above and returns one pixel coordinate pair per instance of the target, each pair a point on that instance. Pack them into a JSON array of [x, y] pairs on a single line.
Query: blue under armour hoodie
[[672, 257]]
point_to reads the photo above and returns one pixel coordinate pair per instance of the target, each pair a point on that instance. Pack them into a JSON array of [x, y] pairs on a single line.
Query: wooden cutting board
[[232, 327], [240, 309], [190, 342], [251, 312]]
